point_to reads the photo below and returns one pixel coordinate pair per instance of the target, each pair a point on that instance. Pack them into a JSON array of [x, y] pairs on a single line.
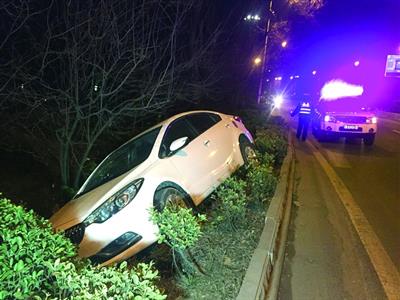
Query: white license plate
[[354, 127]]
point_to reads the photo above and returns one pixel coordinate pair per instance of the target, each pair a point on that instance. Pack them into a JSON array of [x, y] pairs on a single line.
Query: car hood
[[77, 210], [351, 113]]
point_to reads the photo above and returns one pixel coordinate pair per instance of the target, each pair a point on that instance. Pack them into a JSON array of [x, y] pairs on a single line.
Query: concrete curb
[[262, 276]]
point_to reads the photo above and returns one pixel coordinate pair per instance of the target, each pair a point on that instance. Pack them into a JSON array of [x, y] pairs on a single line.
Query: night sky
[[348, 30]]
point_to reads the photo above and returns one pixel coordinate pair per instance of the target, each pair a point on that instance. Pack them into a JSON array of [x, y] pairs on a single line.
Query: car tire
[[171, 193], [369, 140], [247, 150]]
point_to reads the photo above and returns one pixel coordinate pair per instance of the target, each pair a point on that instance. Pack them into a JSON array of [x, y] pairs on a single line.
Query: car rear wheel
[[369, 140], [248, 151], [170, 195]]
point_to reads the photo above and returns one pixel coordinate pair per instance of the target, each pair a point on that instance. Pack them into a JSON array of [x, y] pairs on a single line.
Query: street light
[[257, 60], [356, 63], [252, 18], [284, 44], [314, 72], [267, 29]]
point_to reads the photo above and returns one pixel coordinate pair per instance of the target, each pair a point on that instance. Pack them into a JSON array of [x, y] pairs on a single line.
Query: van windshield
[[125, 158]]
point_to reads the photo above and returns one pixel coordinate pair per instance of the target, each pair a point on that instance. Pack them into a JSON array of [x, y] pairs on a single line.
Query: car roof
[[169, 120], [177, 116]]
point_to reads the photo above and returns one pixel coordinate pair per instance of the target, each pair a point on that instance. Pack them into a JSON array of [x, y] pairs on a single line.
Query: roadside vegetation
[[36, 263]]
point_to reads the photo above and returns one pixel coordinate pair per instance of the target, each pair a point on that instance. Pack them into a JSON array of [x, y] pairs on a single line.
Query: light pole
[[264, 54]]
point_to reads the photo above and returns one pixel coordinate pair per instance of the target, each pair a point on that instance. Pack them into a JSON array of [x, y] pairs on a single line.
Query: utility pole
[[264, 55]]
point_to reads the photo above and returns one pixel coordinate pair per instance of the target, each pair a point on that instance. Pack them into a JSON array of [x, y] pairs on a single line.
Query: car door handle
[[227, 125], [206, 142]]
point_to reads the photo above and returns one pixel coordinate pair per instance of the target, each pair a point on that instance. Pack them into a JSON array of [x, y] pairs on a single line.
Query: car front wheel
[[170, 195]]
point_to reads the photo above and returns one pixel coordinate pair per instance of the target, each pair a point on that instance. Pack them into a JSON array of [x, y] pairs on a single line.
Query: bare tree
[[14, 14], [306, 8], [100, 67]]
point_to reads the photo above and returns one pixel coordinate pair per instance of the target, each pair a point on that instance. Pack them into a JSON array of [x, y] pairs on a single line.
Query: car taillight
[[238, 119]]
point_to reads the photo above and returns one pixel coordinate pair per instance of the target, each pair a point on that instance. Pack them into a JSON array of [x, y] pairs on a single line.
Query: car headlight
[[329, 118], [115, 203]]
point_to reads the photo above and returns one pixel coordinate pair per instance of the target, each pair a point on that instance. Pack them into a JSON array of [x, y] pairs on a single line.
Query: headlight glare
[[329, 118], [115, 203]]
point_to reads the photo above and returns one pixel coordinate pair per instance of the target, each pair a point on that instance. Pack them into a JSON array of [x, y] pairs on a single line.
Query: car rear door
[[217, 137]]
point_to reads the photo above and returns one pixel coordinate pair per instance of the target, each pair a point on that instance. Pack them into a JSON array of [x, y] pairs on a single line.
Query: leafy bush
[[231, 195], [35, 263], [261, 180], [272, 141], [180, 229], [117, 282], [254, 119]]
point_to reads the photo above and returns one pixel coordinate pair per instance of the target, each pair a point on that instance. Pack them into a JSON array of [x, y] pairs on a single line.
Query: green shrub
[[180, 229], [254, 118], [261, 180], [116, 282], [36, 263], [231, 197], [273, 142]]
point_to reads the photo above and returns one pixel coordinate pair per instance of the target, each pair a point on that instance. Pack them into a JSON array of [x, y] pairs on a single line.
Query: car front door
[[190, 161]]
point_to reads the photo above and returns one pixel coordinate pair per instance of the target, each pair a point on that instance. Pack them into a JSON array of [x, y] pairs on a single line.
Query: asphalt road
[[344, 238]]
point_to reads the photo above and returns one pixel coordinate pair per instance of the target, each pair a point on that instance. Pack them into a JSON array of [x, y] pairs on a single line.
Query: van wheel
[[248, 152], [369, 140]]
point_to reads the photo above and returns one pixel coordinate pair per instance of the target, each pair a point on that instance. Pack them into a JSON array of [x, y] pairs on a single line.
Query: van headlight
[[329, 118], [115, 203]]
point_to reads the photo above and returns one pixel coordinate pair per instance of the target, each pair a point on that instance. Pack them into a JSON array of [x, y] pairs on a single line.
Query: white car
[[183, 158], [345, 118]]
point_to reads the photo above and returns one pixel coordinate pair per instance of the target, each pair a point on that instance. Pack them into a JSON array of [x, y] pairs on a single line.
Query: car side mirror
[[178, 144]]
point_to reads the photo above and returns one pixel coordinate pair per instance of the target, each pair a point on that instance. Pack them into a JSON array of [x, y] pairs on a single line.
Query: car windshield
[[125, 158], [356, 104]]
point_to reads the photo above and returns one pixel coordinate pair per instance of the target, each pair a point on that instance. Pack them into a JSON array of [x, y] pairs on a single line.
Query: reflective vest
[[305, 108]]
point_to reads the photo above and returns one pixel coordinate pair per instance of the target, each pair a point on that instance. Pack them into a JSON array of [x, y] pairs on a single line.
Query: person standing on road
[[304, 109]]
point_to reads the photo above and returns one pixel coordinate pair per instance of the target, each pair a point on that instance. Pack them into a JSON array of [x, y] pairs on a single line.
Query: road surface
[[344, 237]]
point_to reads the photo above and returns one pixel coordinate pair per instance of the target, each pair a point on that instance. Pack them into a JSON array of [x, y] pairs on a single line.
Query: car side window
[[178, 129], [203, 121]]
